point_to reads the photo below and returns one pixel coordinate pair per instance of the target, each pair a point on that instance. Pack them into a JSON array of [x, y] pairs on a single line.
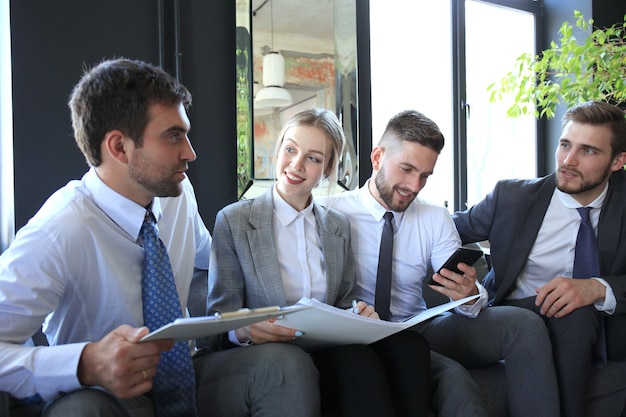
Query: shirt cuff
[[57, 369], [610, 302], [233, 339], [472, 310]]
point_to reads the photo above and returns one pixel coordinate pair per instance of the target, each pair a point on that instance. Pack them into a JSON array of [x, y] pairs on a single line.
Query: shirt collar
[[374, 207], [570, 202], [124, 212], [287, 214]]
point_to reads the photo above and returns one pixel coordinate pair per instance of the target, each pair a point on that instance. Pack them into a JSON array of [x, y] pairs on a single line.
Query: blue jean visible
[[512, 334]]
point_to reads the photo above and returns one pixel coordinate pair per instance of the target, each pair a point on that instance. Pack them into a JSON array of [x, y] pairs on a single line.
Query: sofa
[[607, 397]]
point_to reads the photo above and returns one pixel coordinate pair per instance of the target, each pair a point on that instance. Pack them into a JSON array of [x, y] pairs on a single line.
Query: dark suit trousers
[[573, 338], [387, 378]]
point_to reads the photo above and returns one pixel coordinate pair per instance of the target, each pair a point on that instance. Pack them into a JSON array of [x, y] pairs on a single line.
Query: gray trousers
[[264, 380], [512, 334], [573, 338]]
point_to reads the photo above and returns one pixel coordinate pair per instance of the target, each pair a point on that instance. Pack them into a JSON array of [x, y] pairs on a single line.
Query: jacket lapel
[[528, 228], [612, 221], [332, 249], [263, 249]]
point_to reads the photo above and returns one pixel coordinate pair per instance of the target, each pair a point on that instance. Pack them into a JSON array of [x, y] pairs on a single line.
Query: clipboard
[[195, 327]]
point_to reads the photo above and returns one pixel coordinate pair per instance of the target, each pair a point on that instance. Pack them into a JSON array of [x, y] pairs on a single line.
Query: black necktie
[[383, 277], [587, 265]]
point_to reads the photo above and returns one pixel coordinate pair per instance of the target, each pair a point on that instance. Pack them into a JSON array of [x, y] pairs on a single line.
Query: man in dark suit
[[532, 226]]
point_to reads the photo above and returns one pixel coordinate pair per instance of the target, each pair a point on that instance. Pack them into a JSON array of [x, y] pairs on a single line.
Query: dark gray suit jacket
[[244, 269], [510, 218]]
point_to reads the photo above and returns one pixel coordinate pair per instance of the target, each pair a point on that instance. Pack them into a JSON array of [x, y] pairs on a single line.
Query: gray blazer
[[244, 269], [510, 218]]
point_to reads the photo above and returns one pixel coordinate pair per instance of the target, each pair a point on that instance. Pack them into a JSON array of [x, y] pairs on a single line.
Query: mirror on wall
[[306, 51]]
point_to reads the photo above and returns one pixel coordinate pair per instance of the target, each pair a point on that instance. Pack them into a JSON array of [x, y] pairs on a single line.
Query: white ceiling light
[[260, 110], [273, 95]]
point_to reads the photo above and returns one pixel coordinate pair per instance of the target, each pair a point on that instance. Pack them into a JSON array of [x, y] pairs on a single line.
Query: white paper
[[324, 325], [196, 327]]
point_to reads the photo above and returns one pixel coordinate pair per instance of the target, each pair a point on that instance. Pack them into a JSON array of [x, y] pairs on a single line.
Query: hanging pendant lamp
[[273, 95], [260, 110]]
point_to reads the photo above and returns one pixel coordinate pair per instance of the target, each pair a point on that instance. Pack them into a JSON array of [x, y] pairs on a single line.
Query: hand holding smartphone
[[465, 255]]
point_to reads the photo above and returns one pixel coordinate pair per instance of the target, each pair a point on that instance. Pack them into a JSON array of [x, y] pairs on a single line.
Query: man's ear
[[376, 157], [114, 144], [619, 162]]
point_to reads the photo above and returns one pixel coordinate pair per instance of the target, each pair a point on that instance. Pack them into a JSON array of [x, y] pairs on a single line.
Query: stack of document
[[325, 326]]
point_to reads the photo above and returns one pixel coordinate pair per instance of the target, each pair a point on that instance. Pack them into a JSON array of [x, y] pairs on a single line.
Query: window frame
[[459, 93]]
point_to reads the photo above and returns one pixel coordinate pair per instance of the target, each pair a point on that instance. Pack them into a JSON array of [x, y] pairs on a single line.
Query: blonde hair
[[328, 123]]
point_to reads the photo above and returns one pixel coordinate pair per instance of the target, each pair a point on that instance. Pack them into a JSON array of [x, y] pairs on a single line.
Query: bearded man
[[424, 236], [558, 245]]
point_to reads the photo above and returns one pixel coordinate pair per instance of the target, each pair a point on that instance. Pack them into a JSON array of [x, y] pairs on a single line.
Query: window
[[7, 222], [438, 58], [496, 146], [411, 68]]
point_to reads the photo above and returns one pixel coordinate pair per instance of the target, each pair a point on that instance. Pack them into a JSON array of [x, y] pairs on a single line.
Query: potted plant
[[568, 72]]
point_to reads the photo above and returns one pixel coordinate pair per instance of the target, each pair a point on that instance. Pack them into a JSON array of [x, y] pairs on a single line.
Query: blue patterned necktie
[[587, 265], [174, 385], [382, 301]]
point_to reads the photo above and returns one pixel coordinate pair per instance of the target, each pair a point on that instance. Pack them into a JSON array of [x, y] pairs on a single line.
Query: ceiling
[[309, 18]]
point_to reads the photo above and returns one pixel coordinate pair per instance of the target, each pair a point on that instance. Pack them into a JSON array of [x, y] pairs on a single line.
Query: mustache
[[570, 169], [406, 191]]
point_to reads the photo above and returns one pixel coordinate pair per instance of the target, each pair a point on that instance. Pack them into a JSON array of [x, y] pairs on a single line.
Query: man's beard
[[161, 186], [585, 184], [387, 192]]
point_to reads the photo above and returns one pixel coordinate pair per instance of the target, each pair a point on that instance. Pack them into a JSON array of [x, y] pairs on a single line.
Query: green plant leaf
[[569, 72]]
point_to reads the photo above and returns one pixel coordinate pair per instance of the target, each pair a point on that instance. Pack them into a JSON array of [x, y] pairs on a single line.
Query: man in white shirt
[[533, 225], [425, 236], [77, 267]]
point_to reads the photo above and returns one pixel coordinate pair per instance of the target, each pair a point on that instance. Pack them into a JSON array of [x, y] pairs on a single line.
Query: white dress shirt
[[77, 264], [301, 260], [424, 235], [552, 254]]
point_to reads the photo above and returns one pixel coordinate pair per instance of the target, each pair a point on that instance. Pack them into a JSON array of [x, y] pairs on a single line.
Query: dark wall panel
[[51, 43], [608, 12], [208, 70]]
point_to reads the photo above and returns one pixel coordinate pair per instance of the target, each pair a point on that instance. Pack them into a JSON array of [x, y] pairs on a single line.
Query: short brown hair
[[116, 94], [412, 126], [600, 113]]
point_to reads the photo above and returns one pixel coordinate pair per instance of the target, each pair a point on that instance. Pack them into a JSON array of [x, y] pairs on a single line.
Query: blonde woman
[[281, 246]]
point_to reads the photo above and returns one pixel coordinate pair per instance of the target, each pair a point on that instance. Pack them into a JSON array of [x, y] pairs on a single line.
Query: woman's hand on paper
[[363, 309], [267, 331]]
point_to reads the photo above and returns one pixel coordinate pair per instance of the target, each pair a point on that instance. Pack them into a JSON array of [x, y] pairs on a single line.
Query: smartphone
[[465, 255]]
